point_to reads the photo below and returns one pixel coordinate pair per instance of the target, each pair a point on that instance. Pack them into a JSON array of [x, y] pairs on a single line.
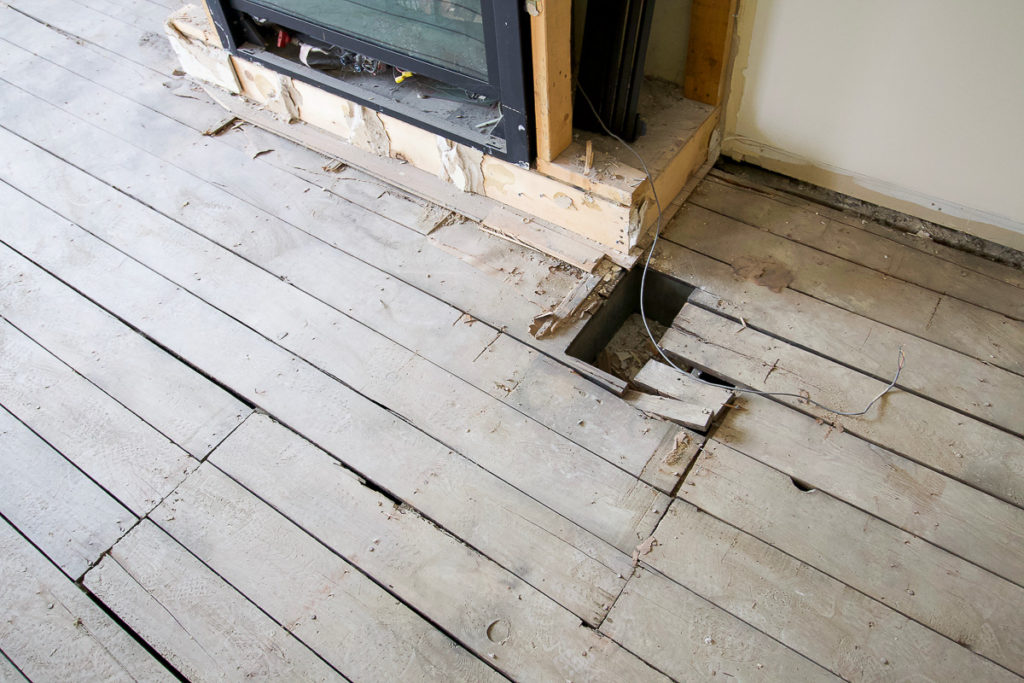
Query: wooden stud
[[552, 85], [711, 28]]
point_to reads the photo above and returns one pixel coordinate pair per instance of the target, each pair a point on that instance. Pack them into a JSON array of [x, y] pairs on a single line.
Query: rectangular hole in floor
[[614, 339]]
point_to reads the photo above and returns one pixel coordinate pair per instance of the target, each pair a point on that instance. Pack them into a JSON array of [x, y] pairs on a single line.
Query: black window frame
[[507, 70]]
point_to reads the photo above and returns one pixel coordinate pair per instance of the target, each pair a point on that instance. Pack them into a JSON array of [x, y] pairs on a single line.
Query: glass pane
[[447, 33]]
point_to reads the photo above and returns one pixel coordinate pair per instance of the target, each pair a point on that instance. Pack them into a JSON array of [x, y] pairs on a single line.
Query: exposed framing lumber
[[711, 28], [550, 31]]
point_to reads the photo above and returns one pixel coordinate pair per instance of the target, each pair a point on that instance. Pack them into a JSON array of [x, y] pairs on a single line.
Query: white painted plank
[[987, 336], [952, 596], [690, 639], [115, 448], [602, 498], [183, 405], [576, 568], [486, 608], [817, 230], [961, 519], [926, 432], [63, 512], [193, 618], [400, 311], [828, 622], [52, 631], [850, 338], [316, 595]]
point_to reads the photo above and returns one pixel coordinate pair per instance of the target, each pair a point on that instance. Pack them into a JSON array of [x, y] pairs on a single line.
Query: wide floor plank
[[964, 448], [52, 631], [184, 406], [844, 631], [940, 374], [317, 596], [964, 603], [120, 452], [578, 569], [859, 246], [690, 639], [193, 618], [524, 634], [63, 512], [953, 516], [985, 335]]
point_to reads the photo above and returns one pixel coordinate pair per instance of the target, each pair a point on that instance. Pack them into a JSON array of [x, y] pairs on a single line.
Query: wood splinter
[[588, 158]]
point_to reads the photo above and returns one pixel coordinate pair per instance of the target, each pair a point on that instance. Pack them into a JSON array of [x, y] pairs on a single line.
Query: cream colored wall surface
[[913, 104]]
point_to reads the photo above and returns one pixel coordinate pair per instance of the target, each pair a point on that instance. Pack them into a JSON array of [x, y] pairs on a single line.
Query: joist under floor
[[258, 421]]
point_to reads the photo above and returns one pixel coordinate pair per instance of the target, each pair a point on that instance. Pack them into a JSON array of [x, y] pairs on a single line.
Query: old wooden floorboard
[[968, 450], [964, 603], [988, 336], [581, 571], [51, 631], [859, 246], [399, 309], [938, 373]]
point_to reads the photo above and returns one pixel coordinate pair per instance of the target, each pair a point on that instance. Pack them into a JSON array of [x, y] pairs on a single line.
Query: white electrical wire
[[643, 281]]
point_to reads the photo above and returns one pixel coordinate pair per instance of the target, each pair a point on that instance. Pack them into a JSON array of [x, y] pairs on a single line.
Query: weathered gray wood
[[828, 622], [401, 312], [314, 594], [816, 230], [8, 672], [572, 565], [985, 335], [184, 406], [52, 631], [486, 608], [952, 596], [686, 413], [690, 639], [850, 338], [961, 519], [925, 245], [193, 618], [663, 379], [604, 499], [63, 512], [115, 448], [965, 449]]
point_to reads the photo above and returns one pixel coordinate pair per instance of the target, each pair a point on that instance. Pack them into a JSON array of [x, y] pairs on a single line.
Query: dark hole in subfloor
[[663, 299]]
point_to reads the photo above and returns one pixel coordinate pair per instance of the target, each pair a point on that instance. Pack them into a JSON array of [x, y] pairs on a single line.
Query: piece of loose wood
[[550, 40], [689, 638], [545, 549], [919, 500], [184, 406], [952, 596], [192, 617], [977, 388], [691, 414], [665, 380], [985, 335], [115, 448], [823, 619], [52, 631], [817, 230], [63, 512], [522, 633], [960, 446], [317, 596]]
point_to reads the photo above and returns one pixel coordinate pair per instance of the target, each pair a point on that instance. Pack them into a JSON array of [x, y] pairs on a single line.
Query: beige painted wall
[[913, 104]]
